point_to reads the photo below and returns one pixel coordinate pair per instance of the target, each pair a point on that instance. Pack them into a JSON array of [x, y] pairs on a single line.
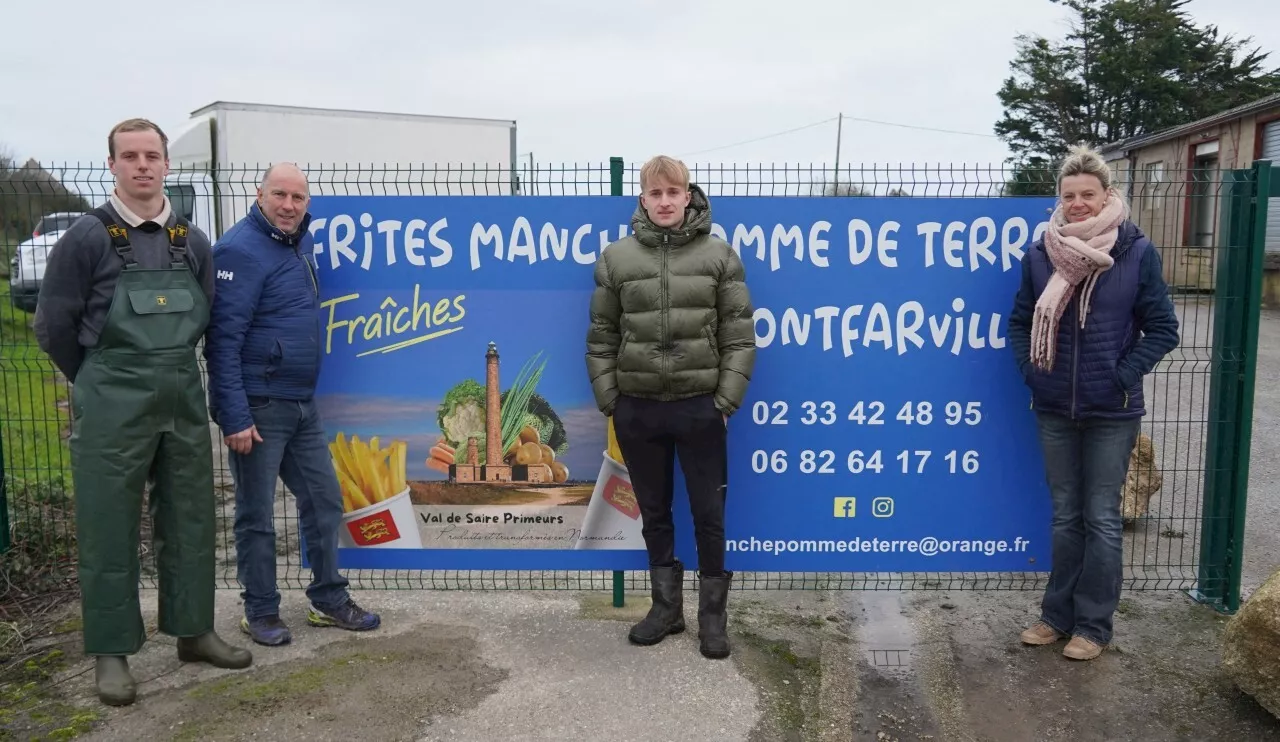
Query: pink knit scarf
[[1079, 252]]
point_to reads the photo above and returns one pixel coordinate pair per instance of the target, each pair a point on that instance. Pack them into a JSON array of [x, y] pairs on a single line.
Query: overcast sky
[[583, 79]]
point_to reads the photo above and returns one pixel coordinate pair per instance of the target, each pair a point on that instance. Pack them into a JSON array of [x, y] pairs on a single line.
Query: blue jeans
[[294, 449], [1086, 462]]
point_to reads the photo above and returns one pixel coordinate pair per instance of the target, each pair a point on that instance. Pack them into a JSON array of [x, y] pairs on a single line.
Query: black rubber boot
[[713, 621], [210, 648], [666, 616], [116, 686]]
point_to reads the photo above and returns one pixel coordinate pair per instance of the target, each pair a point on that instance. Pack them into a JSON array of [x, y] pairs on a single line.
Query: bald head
[[284, 196], [286, 170]]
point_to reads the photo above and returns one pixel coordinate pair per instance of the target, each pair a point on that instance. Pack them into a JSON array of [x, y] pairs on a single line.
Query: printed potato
[[548, 475], [529, 454], [529, 434], [548, 455], [559, 472]]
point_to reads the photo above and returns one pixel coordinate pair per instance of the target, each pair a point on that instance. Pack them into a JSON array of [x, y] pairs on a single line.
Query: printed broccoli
[[543, 419], [462, 415]]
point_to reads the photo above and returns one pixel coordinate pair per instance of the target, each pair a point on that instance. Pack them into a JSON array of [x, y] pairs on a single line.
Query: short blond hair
[[665, 169], [1082, 160]]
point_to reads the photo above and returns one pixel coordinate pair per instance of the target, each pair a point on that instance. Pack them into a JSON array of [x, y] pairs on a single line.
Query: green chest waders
[[140, 414]]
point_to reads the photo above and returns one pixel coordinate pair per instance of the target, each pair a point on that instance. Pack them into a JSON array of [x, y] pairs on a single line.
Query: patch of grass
[[37, 572], [28, 712], [33, 404], [780, 667], [236, 693], [8, 246], [1128, 607], [792, 619], [42, 550], [72, 624], [237, 696]]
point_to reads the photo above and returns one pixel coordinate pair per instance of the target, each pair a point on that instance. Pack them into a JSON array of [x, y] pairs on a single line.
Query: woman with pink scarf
[[1092, 318]]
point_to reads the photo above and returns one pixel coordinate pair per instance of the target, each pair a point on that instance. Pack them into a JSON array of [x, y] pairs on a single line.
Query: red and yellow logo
[[376, 528], [618, 493]]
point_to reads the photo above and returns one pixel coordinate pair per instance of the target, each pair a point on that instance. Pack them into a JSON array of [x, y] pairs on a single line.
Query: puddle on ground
[[892, 701]]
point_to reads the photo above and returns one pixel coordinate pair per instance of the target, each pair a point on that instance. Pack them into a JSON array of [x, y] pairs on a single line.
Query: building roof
[[1115, 150], [222, 105]]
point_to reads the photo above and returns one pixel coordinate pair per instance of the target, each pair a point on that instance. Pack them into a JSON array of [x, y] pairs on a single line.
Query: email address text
[[928, 546]]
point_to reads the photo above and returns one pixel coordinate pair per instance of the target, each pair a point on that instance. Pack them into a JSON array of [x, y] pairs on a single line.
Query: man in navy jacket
[[263, 351]]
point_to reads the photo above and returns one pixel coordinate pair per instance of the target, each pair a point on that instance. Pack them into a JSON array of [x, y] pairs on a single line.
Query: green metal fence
[[1207, 223]]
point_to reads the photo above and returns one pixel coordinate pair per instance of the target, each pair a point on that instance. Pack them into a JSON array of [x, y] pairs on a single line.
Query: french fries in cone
[[368, 472]]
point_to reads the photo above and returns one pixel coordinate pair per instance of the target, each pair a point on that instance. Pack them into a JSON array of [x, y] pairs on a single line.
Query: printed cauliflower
[[461, 414]]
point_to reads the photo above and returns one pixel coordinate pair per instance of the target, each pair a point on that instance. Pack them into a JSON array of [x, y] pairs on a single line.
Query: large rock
[[1144, 479], [1251, 646]]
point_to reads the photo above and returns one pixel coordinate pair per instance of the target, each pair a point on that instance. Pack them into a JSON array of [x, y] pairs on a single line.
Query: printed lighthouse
[[494, 470]]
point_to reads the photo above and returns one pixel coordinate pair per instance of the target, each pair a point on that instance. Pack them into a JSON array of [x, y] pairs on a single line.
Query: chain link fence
[[1165, 497]]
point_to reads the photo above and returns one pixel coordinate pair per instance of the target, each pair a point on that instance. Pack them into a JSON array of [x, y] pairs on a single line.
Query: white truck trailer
[[216, 163], [217, 160]]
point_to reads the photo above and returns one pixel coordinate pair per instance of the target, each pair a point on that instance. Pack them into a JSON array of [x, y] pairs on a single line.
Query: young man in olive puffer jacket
[[670, 352]]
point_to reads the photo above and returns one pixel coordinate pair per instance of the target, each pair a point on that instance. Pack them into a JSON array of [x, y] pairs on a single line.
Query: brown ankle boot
[[1040, 633], [1080, 648]]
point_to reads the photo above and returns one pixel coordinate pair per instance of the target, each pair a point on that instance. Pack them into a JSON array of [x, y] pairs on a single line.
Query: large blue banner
[[886, 427]]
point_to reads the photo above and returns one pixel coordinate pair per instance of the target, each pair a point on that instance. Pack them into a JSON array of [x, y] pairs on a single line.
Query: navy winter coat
[[1098, 369], [264, 328]]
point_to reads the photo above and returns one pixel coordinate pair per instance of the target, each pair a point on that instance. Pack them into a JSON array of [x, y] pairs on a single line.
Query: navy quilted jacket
[[264, 328], [1098, 369]]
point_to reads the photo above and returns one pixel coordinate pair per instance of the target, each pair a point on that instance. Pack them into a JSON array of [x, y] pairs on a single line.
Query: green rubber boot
[[116, 686], [210, 648]]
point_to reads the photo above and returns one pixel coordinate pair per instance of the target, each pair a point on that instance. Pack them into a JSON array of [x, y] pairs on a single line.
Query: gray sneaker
[[268, 631], [347, 616]]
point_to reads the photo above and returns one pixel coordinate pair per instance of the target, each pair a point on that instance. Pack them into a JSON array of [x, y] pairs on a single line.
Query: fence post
[[615, 189], [4, 501], [1237, 309]]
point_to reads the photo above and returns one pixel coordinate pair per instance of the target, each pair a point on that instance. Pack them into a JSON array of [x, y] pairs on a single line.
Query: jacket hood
[[697, 221], [1128, 235], [259, 220]]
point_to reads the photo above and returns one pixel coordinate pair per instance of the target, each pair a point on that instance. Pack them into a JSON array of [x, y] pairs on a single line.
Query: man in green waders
[[124, 301]]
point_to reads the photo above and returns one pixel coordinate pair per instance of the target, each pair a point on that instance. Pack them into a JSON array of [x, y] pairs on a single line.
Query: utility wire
[[760, 139], [847, 118], [921, 128]]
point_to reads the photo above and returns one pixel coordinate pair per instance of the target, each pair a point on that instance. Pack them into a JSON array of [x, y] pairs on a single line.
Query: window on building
[[1152, 184]]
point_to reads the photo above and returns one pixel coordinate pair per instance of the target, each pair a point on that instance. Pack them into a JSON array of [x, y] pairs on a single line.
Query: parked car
[[26, 269], [57, 222], [190, 194]]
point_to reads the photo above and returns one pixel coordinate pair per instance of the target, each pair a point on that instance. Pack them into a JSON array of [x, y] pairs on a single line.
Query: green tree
[[28, 192], [1125, 68], [856, 191]]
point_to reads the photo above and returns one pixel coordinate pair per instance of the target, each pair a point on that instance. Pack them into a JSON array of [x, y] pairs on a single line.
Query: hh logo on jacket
[[226, 275]]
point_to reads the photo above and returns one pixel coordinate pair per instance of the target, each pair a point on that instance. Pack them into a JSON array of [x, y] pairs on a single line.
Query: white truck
[[217, 159]]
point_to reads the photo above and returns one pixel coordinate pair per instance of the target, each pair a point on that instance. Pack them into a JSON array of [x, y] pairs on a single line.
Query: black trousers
[[651, 434]]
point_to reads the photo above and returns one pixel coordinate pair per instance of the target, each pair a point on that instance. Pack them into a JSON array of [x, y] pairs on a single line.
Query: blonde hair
[[1082, 160], [666, 169], [135, 125]]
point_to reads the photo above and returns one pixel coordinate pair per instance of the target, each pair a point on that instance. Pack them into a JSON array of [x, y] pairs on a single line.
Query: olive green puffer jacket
[[671, 316]]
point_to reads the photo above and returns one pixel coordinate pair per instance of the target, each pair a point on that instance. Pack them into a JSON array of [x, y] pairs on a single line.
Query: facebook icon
[[845, 507]]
